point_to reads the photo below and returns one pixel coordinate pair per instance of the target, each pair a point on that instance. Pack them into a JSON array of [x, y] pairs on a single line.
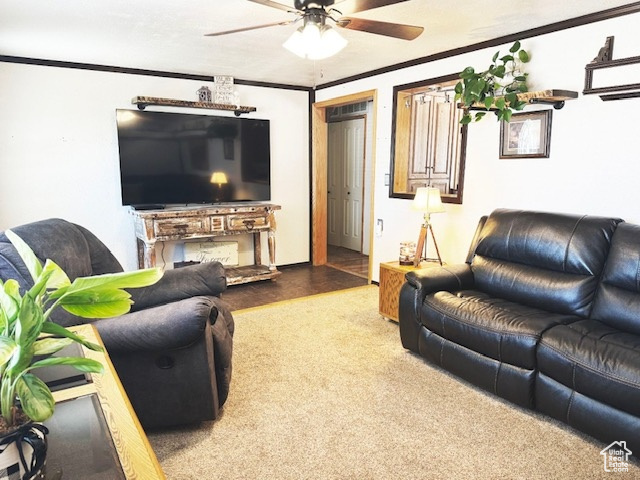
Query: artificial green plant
[[28, 337], [495, 88]]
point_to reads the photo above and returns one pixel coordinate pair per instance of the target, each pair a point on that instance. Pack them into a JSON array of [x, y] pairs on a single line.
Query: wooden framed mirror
[[428, 144]]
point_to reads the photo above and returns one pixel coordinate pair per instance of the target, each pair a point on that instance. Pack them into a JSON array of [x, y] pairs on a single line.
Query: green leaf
[[479, 116], [10, 299], [458, 88], [59, 330], [28, 257], [495, 57], [49, 345], [468, 72], [104, 303], [30, 320], [507, 58], [515, 47], [466, 119], [521, 78], [520, 104], [7, 349], [500, 103], [511, 98], [506, 115], [499, 71], [134, 279], [83, 364], [35, 397], [488, 102], [523, 56]]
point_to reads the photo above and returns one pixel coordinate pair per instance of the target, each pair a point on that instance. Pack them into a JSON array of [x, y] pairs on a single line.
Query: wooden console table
[[184, 223]]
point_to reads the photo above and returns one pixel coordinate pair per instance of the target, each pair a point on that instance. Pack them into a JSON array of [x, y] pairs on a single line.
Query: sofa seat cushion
[[595, 360], [498, 328]]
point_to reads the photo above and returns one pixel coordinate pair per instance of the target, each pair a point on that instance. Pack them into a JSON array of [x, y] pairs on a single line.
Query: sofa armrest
[[180, 283], [419, 284], [175, 325], [448, 277]]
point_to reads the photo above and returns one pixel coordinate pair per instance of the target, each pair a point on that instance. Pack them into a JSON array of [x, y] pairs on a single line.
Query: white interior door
[[346, 183]]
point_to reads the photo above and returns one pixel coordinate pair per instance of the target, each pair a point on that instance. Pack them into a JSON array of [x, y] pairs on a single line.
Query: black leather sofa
[[544, 313], [173, 350]]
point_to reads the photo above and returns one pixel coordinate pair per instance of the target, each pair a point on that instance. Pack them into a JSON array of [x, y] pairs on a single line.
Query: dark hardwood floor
[[348, 260], [294, 282]]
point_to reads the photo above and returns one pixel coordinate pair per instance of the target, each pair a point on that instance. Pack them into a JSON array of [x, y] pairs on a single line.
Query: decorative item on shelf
[[604, 60], [495, 88], [427, 200], [204, 94], [407, 253], [28, 339], [223, 90], [219, 179], [527, 135]]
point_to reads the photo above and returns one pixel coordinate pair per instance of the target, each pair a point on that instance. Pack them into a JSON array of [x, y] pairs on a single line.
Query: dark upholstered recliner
[[173, 350], [545, 313]]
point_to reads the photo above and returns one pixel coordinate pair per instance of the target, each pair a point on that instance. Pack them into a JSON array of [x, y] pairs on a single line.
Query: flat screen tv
[[171, 158]]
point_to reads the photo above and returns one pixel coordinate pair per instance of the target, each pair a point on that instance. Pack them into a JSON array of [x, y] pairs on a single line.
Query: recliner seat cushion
[[500, 329], [595, 360]]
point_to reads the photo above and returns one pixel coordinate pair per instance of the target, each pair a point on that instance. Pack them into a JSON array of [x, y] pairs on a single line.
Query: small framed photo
[[527, 135]]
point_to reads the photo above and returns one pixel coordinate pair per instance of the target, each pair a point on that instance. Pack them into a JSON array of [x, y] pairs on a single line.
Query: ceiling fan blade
[[396, 30], [280, 6], [353, 6], [245, 29]]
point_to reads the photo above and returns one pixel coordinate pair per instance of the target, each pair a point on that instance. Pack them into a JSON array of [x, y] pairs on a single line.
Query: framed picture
[[527, 135]]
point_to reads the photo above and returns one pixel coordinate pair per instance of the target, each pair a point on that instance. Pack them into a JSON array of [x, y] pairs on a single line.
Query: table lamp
[[427, 200], [219, 178]]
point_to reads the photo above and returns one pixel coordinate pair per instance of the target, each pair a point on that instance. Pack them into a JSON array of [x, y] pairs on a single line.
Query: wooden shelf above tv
[[143, 102]]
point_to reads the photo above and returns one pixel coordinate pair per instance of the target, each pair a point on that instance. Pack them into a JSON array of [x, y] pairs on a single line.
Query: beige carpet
[[322, 389]]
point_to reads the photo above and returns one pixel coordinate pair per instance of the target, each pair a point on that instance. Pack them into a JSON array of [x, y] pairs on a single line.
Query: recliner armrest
[[447, 277], [175, 325], [419, 284], [180, 283]]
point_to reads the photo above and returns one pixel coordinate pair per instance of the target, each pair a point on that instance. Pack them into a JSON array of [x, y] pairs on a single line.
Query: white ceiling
[[168, 35]]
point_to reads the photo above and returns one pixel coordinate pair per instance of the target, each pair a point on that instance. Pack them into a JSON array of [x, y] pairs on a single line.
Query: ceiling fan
[[309, 40]]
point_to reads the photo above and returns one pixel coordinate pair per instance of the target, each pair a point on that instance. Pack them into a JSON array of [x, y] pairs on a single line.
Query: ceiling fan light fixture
[[315, 41]]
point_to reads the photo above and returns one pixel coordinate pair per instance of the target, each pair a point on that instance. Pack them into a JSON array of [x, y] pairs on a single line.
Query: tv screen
[[177, 158]]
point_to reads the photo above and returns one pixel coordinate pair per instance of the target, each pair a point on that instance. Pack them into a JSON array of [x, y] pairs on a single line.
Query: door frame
[[319, 164]]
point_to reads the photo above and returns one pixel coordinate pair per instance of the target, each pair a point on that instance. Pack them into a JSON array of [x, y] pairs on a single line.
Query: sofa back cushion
[[547, 260], [617, 301]]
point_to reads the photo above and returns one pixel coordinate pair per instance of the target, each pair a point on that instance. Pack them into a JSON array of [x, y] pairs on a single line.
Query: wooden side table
[[391, 281]]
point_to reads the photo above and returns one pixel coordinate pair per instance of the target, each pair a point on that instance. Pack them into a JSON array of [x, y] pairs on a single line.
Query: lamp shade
[[219, 178], [315, 41], [428, 200]]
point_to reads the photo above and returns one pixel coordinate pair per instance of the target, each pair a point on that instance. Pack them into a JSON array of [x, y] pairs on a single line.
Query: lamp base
[[421, 248]]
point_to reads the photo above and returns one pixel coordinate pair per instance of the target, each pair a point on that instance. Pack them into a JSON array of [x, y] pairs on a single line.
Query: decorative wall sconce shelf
[[548, 97], [143, 102], [628, 68]]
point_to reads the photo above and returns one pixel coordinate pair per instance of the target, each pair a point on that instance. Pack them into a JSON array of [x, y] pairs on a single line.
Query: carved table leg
[[146, 254]]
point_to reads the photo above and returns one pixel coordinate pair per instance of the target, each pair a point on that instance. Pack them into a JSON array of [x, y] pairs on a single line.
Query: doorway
[[320, 175]]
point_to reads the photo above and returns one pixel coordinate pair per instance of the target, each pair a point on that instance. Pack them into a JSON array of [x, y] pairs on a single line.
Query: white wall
[[593, 168], [59, 152]]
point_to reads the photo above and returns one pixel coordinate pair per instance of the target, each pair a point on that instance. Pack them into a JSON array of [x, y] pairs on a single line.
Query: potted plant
[[495, 88], [28, 338]]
